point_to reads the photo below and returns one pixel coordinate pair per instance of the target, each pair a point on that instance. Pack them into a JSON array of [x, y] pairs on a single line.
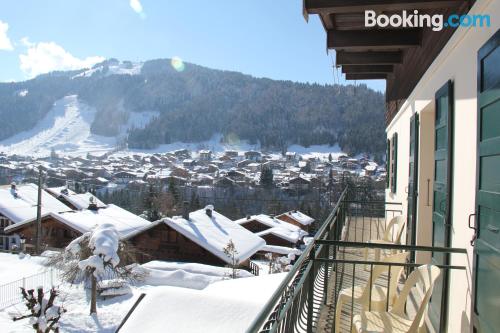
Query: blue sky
[[264, 38]]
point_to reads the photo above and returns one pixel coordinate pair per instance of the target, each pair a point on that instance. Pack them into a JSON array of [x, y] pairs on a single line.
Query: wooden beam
[[353, 6], [376, 39], [366, 76], [354, 69], [369, 58]]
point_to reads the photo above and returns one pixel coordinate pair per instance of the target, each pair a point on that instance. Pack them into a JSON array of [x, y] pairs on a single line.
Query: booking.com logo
[[416, 20]]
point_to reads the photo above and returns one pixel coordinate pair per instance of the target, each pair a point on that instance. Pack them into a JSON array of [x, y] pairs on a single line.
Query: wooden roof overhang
[[398, 55]]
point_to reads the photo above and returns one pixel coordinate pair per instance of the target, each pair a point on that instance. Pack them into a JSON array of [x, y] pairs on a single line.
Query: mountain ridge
[[195, 102]]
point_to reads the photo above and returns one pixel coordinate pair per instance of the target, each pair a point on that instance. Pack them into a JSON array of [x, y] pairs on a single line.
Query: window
[[394, 162], [172, 236]]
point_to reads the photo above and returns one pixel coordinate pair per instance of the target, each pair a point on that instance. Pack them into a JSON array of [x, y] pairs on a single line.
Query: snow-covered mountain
[[66, 128], [189, 103]]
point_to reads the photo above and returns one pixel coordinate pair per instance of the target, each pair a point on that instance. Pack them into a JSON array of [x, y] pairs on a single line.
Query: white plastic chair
[[396, 320], [398, 223], [378, 298]]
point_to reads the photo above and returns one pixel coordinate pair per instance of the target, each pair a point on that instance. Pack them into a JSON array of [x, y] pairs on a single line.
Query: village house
[[253, 156], [199, 237], [59, 229], [297, 218], [273, 231], [205, 155], [299, 184], [19, 204]]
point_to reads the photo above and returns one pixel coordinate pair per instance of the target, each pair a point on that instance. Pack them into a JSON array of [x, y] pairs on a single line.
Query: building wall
[[164, 243], [275, 240], [286, 218], [456, 62], [54, 234]]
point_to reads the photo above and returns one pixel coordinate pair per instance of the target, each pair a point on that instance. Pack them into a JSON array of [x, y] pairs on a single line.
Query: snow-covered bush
[[43, 314], [96, 256]]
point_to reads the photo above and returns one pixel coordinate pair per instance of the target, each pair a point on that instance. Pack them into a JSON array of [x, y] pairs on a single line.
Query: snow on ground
[[123, 68], [319, 151], [222, 306], [193, 268], [14, 267]]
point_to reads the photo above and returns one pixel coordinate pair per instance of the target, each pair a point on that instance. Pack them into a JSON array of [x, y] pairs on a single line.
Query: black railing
[[354, 274], [254, 268], [302, 301]]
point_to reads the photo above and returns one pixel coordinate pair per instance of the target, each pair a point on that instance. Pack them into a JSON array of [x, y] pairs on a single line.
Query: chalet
[[237, 175], [299, 184], [18, 203], [225, 182], [182, 153], [273, 231], [243, 163], [231, 153], [254, 167], [124, 177], [189, 163], [291, 157], [205, 155], [199, 236], [253, 156], [58, 229], [296, 218]]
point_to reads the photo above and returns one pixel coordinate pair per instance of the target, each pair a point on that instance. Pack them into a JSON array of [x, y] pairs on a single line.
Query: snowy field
[[66, 129], [184, 297]]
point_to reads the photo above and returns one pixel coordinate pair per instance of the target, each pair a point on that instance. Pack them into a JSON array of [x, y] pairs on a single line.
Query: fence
[[10, 293]]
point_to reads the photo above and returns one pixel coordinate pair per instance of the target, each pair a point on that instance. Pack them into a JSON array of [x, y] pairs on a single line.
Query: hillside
[[153, 103]]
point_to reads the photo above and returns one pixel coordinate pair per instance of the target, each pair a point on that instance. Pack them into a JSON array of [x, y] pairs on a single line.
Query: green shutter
[[394, 169], [388, 164]]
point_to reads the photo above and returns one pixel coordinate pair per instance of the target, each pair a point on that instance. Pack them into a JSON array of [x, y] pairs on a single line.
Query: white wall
[[456, 62]]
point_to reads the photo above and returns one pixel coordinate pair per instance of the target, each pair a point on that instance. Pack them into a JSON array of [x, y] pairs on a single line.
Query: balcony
[[342, 265]]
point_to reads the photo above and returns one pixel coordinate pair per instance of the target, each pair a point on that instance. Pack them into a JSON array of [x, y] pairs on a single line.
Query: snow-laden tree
[[95, 256], [231, 252], [44, 314]]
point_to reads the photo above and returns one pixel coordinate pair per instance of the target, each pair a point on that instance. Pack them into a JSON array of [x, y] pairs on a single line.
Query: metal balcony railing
[[307, 298]]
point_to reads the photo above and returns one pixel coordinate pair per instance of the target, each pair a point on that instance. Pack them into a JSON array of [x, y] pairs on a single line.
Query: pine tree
[[266, 178]]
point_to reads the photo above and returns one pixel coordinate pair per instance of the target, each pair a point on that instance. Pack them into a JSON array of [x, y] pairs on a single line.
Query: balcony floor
[[360, 229]]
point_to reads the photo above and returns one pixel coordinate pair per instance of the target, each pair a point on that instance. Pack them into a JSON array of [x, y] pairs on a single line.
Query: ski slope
[[65, 128]]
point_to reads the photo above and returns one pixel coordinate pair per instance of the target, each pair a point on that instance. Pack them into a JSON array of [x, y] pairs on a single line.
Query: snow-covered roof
[[224, 306], [85, 220], [124, 221], [290, 236], [80, 201], [20, 205], [299, 217], [278, 227], [214, 233]]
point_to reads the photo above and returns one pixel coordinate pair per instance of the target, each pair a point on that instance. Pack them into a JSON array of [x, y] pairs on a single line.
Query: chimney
[[208, 210], [248, 217], [13, 190], [92, 205], [185, 210]]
